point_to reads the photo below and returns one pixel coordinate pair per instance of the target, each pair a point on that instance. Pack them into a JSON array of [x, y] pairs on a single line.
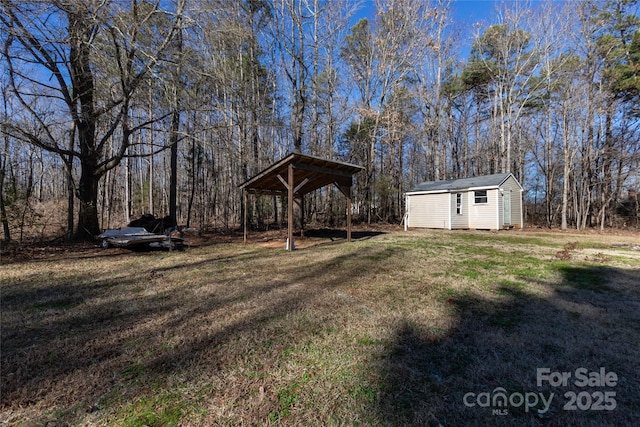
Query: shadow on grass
[[267, 314], [336, 234], [80, 342], [497, 346], [77, 340], [77, 325]]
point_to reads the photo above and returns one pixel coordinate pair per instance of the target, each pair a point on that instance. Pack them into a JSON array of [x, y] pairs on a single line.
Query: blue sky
[[466, 13], [472, 11]]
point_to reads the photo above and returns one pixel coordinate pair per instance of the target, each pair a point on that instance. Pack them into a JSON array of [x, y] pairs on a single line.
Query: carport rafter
[[296, 175]]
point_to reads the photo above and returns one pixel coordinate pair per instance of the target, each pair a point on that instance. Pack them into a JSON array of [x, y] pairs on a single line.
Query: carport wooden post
[[290, 208], [348, 195], [301, 215], [345, 188]]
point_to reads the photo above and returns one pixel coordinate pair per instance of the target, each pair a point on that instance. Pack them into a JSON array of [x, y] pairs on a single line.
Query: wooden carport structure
[[296, 175]]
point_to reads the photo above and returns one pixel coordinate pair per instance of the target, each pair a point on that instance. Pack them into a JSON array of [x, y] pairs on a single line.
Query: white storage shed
[[490, 202]]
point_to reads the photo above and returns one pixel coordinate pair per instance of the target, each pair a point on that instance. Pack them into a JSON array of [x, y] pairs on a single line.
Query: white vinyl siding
[[483, 215], [460, 221], [440, 208], [429, 210]]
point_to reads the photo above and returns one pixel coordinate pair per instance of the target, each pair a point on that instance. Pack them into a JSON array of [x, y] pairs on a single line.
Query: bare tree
[[68, 42], [505, 58], [3, 172], [291, 25]]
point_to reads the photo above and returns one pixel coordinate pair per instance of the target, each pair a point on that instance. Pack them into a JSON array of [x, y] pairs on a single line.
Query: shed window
[[459, 203], [480, 196]]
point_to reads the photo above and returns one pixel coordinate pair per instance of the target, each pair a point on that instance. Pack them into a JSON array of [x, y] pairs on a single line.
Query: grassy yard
[[418, 328]]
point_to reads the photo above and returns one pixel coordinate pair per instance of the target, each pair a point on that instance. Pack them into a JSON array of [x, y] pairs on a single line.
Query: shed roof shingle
[[462, 183]]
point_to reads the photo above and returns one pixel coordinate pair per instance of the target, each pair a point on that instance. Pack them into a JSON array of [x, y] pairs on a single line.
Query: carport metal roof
[[298, 174]]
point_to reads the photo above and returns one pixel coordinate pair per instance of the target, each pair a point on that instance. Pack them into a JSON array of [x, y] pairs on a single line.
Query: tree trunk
[[70, 201], [84, 91], [173, 185], [3, 169], [127, 190], [87, 192], [565, 185], [3, 211]]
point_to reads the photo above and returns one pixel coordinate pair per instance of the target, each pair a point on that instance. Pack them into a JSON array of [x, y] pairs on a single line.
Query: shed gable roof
[[484, 181]]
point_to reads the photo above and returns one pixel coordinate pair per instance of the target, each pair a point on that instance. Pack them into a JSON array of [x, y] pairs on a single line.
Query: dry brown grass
[[391, 329]]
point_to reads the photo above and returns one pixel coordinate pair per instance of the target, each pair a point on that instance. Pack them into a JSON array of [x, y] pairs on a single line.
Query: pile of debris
[[155, 225], [144, 232]]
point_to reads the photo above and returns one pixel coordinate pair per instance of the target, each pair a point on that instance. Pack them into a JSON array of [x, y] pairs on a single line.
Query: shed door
[[506, 207]]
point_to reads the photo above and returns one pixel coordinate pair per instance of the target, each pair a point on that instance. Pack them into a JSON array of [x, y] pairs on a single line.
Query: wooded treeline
[[112, 109]]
